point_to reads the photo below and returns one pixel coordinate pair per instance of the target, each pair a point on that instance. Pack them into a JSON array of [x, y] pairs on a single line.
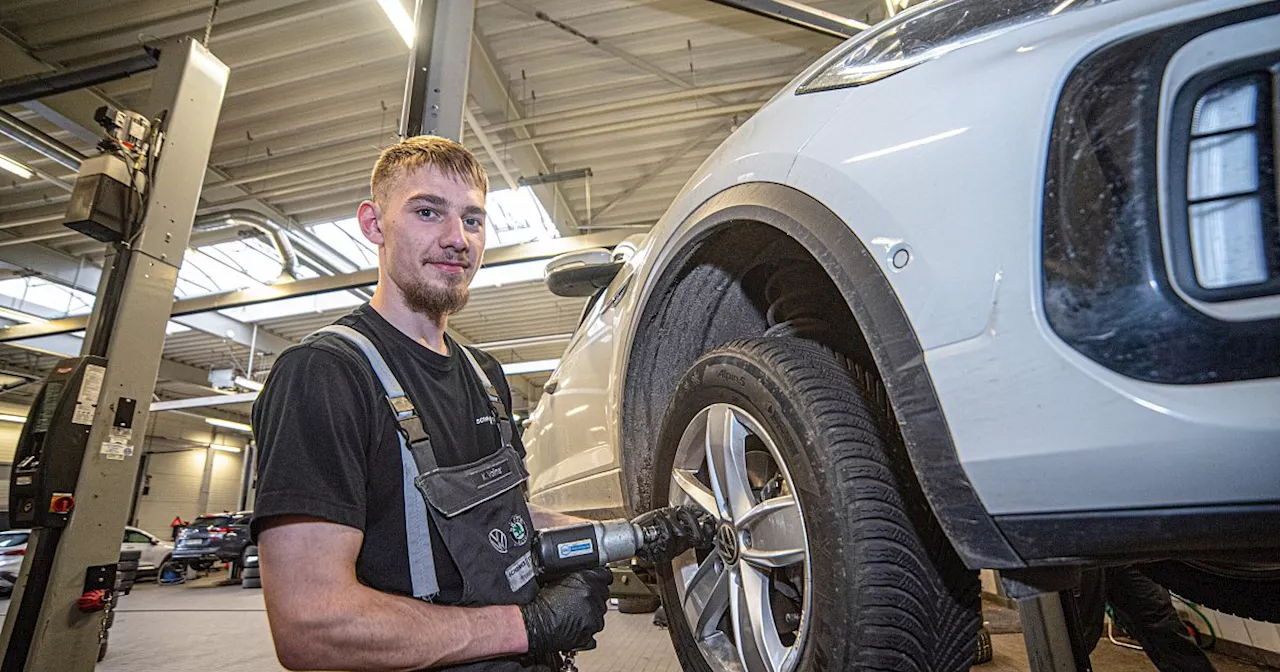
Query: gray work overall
[[478, 508]]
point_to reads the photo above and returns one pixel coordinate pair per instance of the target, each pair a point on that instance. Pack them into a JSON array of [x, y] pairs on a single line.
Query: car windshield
[[211, 521], [13, 539]]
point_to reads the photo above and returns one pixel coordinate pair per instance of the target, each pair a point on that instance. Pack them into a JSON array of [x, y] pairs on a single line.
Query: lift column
[[44, 630]]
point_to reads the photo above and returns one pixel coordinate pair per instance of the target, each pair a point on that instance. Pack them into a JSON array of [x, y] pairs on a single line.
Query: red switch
[[61, 503]]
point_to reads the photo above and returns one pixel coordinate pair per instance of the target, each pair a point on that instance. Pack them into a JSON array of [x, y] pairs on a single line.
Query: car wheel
[[251, 573], [827, 555], [1245, 589], [251, 583]]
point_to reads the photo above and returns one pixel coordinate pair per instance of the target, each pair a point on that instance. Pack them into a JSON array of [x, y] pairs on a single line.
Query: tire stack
[[126, 574], [250, 576]]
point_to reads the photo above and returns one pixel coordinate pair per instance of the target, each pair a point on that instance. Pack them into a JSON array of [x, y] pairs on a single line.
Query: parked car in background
[[153, 551], [213, 537], [992, 285]]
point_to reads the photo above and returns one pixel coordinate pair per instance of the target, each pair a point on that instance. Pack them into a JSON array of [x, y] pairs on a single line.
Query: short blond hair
[[409, 154]]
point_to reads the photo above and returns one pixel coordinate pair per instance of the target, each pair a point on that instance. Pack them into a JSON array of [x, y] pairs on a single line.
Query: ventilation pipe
[[228, 219]]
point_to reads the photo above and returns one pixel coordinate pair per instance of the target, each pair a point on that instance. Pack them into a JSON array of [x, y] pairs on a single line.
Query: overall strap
[[416, 457], [495, 401]]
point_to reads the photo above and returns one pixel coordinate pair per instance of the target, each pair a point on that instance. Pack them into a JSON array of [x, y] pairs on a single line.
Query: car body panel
[[937, 167]]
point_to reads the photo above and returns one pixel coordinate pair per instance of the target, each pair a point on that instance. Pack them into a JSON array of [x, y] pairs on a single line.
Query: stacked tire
[[126, 574], [250, 576]]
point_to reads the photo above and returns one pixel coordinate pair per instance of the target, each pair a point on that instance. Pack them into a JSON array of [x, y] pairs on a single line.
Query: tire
[[251, 583], [1247, 590], [639, 605], [251, 573], [881, 590], [250, 552]]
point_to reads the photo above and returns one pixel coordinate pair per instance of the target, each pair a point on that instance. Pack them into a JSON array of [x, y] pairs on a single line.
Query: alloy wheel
[[747, 601]]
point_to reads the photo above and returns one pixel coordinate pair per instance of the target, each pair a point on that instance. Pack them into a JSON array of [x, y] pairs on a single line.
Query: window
[[132, 537], [11, 539]]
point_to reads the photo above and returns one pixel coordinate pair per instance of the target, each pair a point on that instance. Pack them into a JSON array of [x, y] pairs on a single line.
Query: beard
[[436, 302]]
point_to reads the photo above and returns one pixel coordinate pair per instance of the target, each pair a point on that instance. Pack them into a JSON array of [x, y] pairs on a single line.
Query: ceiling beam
[[84, 276], [661, 168], [800, 15], [489, 89], [542, 249]]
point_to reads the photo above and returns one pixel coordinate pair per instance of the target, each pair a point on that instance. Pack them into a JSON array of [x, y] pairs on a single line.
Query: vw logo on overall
[[498, 539]]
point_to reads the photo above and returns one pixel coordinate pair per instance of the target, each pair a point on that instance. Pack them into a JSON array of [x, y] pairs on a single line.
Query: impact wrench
[[656, 536]]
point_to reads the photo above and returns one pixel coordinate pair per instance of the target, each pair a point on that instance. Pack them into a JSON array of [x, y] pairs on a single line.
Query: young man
[[380, 549]]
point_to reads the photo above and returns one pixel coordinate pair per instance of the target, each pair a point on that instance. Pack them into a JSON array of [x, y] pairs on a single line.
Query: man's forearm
[[364, 629]]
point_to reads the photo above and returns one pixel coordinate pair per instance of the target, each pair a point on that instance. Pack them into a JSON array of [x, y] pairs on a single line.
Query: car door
[[573, 463]]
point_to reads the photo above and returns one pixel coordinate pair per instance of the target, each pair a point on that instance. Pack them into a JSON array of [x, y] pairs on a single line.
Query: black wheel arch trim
[[886, 328]]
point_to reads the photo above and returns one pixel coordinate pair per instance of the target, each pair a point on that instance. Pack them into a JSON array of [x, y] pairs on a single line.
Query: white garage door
[[175, 488]]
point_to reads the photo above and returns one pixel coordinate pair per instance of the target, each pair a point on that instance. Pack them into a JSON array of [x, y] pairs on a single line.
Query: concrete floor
[[187, 628]]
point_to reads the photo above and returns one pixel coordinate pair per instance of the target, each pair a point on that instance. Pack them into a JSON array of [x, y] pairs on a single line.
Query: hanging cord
[[208, 26]]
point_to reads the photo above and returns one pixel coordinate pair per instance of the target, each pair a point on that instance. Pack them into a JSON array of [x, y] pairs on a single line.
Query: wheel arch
[[701, 296]]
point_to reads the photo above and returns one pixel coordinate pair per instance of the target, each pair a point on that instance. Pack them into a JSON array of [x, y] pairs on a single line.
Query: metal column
[[188, 88], [435, 93]]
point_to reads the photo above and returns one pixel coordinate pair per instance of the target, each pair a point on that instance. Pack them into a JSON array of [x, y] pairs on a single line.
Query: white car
[[992, 285], [13, 549]]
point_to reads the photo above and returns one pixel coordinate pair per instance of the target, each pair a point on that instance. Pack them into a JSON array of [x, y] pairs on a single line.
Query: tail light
[[20, 551], [220, 531]]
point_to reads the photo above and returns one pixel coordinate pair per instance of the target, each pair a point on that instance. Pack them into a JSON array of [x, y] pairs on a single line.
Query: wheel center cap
[[727, 542]]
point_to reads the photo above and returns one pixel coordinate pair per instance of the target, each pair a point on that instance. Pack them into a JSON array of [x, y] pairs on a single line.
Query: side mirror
[[582, 273], [154, 542]]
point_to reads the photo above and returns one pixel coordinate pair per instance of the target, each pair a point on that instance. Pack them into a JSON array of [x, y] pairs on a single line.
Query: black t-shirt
[[328, 445]]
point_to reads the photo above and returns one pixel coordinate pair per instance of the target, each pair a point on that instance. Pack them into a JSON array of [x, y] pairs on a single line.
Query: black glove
[[668, 532], [568, 611]]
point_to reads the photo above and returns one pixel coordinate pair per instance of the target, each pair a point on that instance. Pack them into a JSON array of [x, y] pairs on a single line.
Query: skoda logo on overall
[[498, 539], [519, 532]]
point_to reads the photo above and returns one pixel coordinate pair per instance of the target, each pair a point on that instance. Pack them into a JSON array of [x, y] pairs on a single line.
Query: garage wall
[[177, 450]]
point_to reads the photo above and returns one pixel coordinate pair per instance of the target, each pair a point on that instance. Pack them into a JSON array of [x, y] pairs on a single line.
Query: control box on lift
[[51, 448]]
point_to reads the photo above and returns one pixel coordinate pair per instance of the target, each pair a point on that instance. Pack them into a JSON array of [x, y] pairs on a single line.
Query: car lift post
[[44, 631], [1050, 622]]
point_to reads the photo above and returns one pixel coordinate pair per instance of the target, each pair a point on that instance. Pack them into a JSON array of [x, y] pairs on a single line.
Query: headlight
[[928, 31]]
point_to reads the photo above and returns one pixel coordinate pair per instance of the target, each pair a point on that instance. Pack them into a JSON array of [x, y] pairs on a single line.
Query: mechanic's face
[[430, 238]]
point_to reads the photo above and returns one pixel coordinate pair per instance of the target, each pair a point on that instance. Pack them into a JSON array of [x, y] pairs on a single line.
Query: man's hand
[[568, 611]]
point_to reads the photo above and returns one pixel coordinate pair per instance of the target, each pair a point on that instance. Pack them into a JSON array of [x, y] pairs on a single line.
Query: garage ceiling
[[639, 91]]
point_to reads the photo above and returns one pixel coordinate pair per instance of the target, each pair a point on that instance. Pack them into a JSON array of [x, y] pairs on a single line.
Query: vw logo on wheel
[[727, 540], [498, 539]]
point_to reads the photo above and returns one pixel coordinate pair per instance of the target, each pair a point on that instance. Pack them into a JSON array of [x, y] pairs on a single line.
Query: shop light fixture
[[14, 167], [225, 449], [536, 366], [6, 417], [248, 383], [238, 426], [400, 19]]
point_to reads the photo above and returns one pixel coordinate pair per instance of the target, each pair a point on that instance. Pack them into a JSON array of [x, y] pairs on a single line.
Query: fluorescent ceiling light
[[225, 449], [238, 426], [14, 167], [537, 366], [248, 384], [5, 417], [400, 19], [19, 316]]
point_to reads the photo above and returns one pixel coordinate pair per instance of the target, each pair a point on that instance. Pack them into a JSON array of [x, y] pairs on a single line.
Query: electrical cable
[[1213, 634]]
